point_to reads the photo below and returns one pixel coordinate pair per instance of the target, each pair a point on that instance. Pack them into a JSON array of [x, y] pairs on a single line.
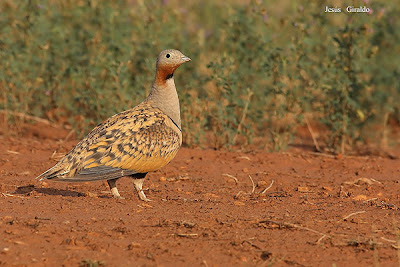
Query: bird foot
[[114, 190], [138, 185], [143, 197]]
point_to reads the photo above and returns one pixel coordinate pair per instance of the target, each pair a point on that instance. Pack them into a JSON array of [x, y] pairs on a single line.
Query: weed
[[256, 69]]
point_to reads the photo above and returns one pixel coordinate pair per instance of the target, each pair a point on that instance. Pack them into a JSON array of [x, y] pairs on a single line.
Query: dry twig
[[231, 176], [28, 117], [320, 239], [291, 225], [352, 214], [254, 186], [246, 107], [314, 138], [13, 152], [9, 195], [397, 246], [322, 154], [266, 189], [388, 240], [186, 235]]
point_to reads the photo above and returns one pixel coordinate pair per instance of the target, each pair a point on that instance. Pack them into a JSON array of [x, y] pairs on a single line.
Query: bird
[[131, 143]]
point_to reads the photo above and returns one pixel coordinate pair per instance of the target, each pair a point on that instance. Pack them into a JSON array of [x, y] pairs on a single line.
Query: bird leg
[[138, 182], [113, 187]]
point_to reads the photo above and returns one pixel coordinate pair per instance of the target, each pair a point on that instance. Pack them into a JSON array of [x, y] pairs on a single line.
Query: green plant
[[257, 69]]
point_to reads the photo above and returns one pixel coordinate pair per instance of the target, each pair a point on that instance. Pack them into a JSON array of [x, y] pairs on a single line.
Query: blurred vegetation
[[258, 71]]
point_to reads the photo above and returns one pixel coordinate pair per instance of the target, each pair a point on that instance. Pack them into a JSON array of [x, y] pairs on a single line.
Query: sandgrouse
[[131, 143]]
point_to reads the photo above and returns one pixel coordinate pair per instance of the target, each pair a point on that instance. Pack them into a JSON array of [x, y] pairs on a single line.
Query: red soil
[[209, 208]]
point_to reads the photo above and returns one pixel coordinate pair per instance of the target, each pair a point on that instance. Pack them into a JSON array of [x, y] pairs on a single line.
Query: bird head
[[169, 60]]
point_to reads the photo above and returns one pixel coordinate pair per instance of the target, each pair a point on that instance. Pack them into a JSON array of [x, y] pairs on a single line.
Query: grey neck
[[166, 98]]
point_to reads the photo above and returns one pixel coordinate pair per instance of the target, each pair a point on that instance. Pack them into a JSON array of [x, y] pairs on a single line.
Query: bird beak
[[185, 59]]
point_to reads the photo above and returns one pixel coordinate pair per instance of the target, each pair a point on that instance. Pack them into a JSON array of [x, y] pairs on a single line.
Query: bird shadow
[[29, 189]]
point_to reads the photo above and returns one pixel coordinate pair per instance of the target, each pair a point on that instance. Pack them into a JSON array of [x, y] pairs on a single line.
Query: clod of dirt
[[265, 255], [133, 245], [303, 189], [239, 203], [360, 197], [90, 194], [91, 263], [327, 188], [122, 230], [362, 181], [188, 224]]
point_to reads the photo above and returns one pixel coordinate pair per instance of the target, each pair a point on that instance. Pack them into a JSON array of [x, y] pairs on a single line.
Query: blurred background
[[264, 74]]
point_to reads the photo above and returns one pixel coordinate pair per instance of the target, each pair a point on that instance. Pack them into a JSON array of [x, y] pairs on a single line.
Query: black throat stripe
[[175, 124], [169, 76]]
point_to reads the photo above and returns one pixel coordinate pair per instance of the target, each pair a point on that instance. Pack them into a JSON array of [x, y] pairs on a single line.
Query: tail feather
[[52, 173]]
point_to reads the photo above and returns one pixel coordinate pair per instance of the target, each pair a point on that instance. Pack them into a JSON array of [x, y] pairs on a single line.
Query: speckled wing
[[140, 140]]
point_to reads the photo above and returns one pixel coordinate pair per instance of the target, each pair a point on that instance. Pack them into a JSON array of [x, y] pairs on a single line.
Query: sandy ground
[[209, 208]]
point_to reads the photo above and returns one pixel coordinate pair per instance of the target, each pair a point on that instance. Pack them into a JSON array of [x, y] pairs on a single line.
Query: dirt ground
[[209, 208]]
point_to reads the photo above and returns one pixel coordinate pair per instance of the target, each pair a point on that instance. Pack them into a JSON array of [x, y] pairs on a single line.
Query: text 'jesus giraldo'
[[349, 9]]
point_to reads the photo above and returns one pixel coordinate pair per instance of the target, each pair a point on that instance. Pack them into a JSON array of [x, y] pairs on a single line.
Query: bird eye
[[168, 55]]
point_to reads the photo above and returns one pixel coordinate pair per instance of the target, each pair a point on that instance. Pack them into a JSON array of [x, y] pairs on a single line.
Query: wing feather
[[97, 173], [148, 149]]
